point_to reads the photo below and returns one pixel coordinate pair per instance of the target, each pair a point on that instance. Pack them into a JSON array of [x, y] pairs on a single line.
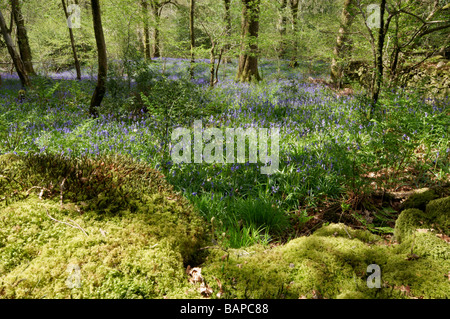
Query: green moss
[[408, 221], [134, 238], [342, 230], [334, 266], [439, 211], [131, 259], [436, 216], [428, 245], [420, 200], [351, 295], [140, 235]]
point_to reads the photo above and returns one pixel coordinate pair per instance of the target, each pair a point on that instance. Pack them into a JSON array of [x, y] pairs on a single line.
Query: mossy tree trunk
[[342, 48], [18, 64], [100, 89], [22, 37], [72, 43], [248, 60]]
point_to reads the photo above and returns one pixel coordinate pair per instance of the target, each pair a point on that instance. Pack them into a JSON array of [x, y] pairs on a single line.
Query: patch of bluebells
[[320, 133]]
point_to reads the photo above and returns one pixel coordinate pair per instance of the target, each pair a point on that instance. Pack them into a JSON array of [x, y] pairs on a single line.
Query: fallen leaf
[[444, 237], [316, 295], [205, 290], [196, 275], [402, 288]]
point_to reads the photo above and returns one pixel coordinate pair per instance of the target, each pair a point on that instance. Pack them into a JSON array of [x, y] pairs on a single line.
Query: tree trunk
[[100, 89], [342, 48], [294, 12], [192, 35], [395, 52], [156, 48], [22, 37], [213, 64], [380, 46], [227, 19], [18, 64], [72, 43], [146, 30], [282, 30], [248, 60]]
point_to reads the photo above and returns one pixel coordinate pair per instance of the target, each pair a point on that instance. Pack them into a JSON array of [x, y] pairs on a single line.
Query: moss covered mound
[[420, 199], [119, 229], [439, 211], [112, 228], [436, 217], [332, 263]]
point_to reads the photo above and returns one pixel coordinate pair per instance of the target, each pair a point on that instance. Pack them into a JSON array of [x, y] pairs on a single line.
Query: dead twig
[[61, 192], [68, 224]]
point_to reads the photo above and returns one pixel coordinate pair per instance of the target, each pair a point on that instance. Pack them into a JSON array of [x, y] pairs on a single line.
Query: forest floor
[[98, 204]]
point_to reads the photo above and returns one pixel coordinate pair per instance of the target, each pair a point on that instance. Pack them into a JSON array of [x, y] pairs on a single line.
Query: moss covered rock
[[436, 217], [328, 265], [120, 229], [439, 211], [420, 199], [408, 222]]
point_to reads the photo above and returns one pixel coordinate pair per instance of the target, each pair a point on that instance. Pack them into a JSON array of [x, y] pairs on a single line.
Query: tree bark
[[22, 37], [248, 59], [380, 46], [18, 64], [72, 43], [147, 47], [100, 89], [227, 19], [342, 48], [294, 12], [192, 36], [156, 15], [282, 30]]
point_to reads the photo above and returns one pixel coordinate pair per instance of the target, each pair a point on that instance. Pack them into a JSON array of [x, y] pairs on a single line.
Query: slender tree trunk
[[395, 52], [22, 37], [18, 64], [100, 89], [282, 30], [227, 19], [342, 48], [213, 64], [72, 43], [145, 12], [192, 35], [294, 12], [380, 46], [156, 47], [248, 60]]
